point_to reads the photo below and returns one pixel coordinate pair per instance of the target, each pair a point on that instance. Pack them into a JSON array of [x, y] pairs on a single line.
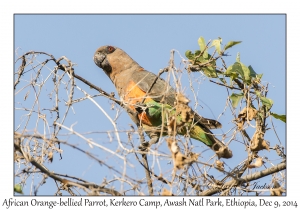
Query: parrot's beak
[[99, 58]]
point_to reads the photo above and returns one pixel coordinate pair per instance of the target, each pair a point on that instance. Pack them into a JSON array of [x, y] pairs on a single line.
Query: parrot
[[153, 103]]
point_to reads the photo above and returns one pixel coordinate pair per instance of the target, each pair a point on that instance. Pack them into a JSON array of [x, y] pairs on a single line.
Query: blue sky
[[148, 39]]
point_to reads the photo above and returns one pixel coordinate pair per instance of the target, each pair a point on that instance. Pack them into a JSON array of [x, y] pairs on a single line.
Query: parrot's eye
[[110, 49]]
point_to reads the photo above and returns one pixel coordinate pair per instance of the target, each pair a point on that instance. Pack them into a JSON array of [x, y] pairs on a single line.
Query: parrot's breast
[[133, 97]]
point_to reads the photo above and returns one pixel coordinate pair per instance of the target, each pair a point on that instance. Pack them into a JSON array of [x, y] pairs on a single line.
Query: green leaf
[[197, 52], [279, 117], [201, 42], [202, 46], [239, 68], [200, 59], [18, 188], [230, 73], [231, 44], [267, 102], [235, 98], [228, 70], [189, 55], [252, 72], [217, 44], [209, 71], [246, 73]]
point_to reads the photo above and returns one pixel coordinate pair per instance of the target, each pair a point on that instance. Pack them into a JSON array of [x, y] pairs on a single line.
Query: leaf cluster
[[236, 76]]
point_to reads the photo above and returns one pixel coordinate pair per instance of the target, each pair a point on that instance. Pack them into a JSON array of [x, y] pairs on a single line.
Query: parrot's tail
[[207, 137]]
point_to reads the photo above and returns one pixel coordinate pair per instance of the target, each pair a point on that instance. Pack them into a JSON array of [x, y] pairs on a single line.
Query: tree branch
[[246, 178]]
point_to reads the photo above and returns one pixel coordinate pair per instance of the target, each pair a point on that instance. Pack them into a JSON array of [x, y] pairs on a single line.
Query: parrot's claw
[[144, 146], [153, 138], [147, 144]]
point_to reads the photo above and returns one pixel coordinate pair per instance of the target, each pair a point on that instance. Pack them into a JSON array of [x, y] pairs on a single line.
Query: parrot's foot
[[147, 144], [144, 146], [222, 151], [154, 139]]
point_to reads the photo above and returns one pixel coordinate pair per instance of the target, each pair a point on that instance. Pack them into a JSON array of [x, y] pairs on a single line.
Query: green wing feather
[[157, 110]]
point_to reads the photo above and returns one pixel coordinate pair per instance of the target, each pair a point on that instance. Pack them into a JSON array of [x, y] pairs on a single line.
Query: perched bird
[[153, 104]]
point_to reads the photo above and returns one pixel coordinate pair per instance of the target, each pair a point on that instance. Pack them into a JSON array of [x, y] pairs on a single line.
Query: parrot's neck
[[123, 75], [122, 65]]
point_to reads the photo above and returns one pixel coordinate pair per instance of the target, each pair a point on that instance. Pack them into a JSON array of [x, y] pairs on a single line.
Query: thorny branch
[[66, 183]]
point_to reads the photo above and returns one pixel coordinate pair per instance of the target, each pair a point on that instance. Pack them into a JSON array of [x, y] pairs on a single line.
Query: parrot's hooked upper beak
[[99, 58]]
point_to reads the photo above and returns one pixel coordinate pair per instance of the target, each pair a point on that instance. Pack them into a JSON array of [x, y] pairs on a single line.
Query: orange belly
[[135, 95]]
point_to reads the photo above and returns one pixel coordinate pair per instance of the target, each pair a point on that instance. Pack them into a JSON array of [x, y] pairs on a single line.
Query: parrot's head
[[113, 60]]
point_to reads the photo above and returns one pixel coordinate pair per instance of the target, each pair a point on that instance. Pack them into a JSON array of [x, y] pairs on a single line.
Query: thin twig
[[145, 163]]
